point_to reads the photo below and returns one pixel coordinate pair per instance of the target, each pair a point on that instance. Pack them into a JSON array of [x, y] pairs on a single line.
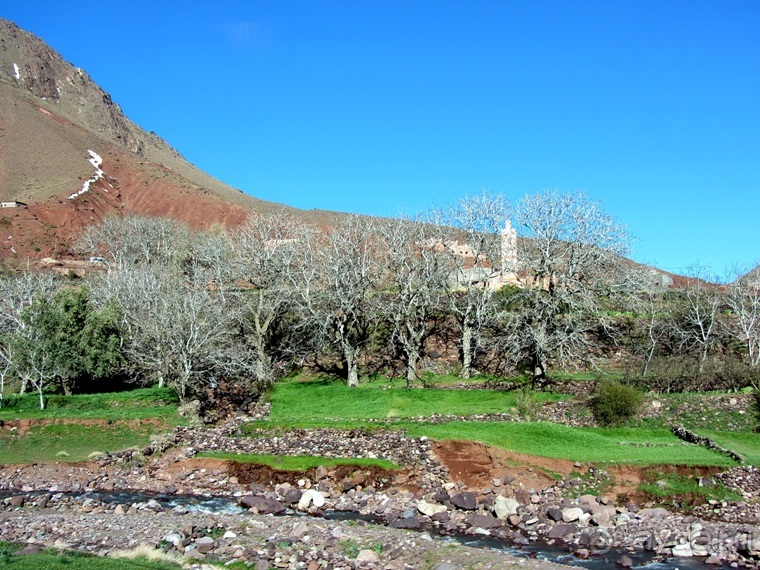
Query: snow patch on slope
[[16, 72], [96, 162]]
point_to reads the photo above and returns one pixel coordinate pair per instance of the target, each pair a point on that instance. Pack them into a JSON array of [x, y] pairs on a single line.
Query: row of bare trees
[[193, 308], [699, 329], [274, 289]]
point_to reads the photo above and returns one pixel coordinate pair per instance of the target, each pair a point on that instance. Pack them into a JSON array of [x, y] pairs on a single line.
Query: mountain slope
[[54, 121]]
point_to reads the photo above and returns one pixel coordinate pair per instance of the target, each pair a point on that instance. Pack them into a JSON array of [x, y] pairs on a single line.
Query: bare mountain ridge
[[53, 121]]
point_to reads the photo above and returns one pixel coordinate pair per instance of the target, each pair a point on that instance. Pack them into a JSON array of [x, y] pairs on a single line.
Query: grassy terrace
[[298, 463], [328, 399], [637, 446], [75, 427], [72, 428], [133, 404], [302, 403]]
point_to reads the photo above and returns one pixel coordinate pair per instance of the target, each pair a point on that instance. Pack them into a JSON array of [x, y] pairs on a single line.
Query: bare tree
[[265, 250], [17, 293], [417, 273], [33, 351], [175, 334], [743, 298], [207, 259], [696, 319], [134, 240], [335, 279], [471, 235], [569, 261]]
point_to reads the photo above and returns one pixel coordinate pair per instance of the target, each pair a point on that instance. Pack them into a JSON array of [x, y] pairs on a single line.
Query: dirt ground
[[476, 465]]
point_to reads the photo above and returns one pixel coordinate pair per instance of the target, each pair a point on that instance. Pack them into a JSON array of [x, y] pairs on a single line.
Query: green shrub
[[527, 403], [613, 403]]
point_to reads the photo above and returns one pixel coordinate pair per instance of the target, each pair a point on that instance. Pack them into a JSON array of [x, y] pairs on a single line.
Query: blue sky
[[388, 107]]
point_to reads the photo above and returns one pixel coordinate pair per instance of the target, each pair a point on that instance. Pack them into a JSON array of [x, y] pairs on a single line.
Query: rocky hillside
[[68, 152]]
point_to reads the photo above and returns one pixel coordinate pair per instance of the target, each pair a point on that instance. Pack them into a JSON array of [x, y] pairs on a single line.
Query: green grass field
[[51, 559], [636, 446], [132, 404], [329, 399], [747, 443], [109, 422], [375, 405], [299, 462], [75, 442], [127, 419]]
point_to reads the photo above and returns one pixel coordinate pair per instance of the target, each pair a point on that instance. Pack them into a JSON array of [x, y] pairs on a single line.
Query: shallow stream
[[541, 550]]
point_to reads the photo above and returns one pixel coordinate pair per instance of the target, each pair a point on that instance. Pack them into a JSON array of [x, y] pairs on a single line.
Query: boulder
[[369, 556], [292, 495], [571, 514], [16, 500], [683, 551], [554, 514], [504, 506], [262, 505], [601, 518], [483, 521], [311, 497], [467, 501], [587, 500], [174, 538], [430, 509], [411, 523], [561, 530], [205, 544]]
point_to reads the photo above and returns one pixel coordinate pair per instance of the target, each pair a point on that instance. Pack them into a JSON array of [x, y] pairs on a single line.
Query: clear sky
[[386, 107]]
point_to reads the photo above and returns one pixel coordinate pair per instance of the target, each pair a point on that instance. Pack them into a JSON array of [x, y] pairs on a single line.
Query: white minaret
[[508, 252]]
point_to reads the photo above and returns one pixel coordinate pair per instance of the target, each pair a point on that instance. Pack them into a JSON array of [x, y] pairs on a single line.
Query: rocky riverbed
[[454, 489]]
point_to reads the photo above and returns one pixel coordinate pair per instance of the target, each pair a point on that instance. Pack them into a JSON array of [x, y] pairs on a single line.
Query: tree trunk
[[538, 368], [649, 356], [703, 359], [466, 352], [412, 358], [42, 400], [262, 368], [353, 373]]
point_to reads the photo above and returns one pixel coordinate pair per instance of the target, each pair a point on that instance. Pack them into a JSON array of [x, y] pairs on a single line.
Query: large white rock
[[311, 497], [683, 551], [571, 514], [430, 509], [505, 506]]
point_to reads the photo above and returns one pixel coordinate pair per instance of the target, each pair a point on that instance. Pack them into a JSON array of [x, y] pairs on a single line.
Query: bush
[[527, 403], [613, 403]]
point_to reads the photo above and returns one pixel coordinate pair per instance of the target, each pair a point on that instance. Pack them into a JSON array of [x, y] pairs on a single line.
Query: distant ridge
[[53, 121]]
